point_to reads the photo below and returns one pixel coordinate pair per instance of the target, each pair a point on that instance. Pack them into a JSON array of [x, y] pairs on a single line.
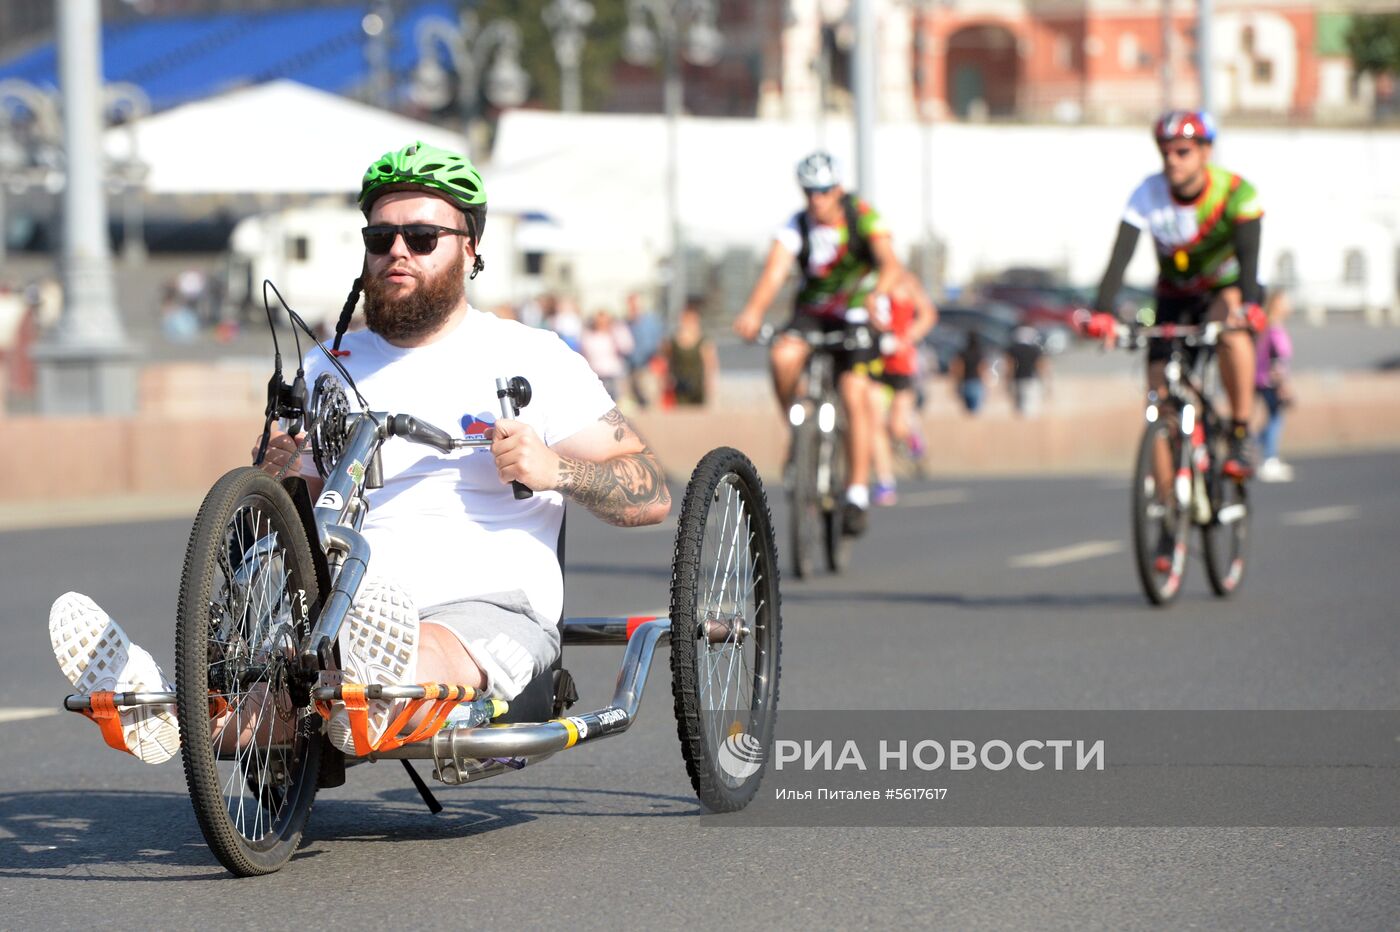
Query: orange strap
[[104, 713], [443, 698]]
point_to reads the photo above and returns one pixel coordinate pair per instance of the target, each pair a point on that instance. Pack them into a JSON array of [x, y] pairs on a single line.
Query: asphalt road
[[971, 594]]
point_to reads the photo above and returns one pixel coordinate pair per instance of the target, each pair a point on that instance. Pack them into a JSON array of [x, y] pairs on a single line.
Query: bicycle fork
[[1194, 464]]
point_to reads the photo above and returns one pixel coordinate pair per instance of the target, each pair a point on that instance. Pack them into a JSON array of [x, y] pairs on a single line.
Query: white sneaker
[[1274, 469], [96, 655], [378, 646]]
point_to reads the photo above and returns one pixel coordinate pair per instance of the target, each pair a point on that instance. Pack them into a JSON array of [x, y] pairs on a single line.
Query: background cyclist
[[843, 253], [1205, 224]]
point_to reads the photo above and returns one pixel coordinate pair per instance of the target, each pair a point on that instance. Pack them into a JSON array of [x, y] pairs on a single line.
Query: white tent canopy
[[275, 138]]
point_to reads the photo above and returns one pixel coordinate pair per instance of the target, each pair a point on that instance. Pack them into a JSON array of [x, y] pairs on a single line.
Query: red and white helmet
[[1184, 124]]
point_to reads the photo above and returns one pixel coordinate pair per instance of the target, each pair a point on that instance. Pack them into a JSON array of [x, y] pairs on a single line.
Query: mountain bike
[[818, 463], [1183, 427]]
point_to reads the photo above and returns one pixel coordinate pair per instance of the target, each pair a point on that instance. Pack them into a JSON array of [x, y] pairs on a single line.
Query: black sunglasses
[[421, 238], [811, 191]]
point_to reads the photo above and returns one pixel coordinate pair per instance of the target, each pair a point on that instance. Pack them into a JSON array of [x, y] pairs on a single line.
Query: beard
[[419, 313]]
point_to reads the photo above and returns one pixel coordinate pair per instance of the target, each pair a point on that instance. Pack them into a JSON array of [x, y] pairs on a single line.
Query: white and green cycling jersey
[[836, 277], [1195, 241]]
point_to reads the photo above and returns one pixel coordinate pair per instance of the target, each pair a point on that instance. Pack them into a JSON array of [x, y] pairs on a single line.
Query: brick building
[[1071, 60]]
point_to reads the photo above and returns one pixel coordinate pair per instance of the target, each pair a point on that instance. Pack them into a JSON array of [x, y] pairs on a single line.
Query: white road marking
[[36, 515], [1071, 554], [933, 497], [1319, 515], [24, 713]]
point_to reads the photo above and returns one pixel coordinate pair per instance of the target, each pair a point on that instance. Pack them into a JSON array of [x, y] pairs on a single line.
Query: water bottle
[[475, 713]]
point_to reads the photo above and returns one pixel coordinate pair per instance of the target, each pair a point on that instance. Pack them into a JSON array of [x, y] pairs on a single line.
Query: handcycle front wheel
[[250, 739], [1160, 525], [726, 630]]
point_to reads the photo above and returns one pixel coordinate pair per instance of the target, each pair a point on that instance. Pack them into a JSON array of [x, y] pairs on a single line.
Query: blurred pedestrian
[[969, 372], [692, 363], [191, 288], [605, 345], [561, 315], [1026, 357], [179, 321], [647, 333], [1274, 385]]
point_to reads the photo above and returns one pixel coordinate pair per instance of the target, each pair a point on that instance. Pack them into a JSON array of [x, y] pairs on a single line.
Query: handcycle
[[1183, 421], [818, 462], [269, 576]]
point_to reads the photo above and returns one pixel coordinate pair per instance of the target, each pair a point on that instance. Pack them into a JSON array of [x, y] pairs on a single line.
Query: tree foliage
[[601, 51], [1374, 43]]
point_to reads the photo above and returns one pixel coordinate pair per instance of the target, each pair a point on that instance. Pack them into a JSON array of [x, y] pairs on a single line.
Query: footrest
[[104, 708], [356, 698]]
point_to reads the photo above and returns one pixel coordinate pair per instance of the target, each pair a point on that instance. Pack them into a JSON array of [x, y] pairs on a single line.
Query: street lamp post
[[924, 79], [672, 21], [469, 46], [23, 167], [1204, 11], [85, 365], [129, 103], [566, 21], [378, 27], [863, 74]]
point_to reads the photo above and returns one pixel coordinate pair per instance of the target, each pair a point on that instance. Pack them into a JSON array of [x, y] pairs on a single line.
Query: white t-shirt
[[1152, 208], [444, 526], [826, 242]]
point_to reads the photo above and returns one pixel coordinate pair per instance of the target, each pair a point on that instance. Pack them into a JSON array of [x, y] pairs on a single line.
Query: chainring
[[329, 417]]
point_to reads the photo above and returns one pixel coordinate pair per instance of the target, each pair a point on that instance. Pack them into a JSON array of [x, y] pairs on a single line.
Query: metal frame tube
[[82, 701], [342, 595], [533, 740]]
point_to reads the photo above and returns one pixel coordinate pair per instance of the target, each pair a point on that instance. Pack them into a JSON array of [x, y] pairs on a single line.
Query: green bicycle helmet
[[445, 173]]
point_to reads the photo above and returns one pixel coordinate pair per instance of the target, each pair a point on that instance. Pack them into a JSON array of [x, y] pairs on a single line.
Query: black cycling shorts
[[1188, 311], [847, 360], [898, 381]]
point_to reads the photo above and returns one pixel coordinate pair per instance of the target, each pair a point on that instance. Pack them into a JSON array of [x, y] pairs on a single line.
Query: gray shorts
[[505, 636]]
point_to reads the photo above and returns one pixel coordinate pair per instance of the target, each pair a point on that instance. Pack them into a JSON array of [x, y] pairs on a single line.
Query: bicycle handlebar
[[410, 428], [514, 393], [1207, 334], [836, 339]]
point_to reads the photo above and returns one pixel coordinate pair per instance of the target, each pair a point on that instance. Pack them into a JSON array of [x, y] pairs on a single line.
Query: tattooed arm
[[605, 467]]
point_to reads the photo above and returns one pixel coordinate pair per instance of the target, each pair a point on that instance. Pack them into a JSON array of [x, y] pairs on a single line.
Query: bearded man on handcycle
[[465, 586]]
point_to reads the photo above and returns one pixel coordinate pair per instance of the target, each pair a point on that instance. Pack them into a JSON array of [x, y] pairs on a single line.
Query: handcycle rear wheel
[[250, 739], [1160, 524], [1224, 541], [726, 630]]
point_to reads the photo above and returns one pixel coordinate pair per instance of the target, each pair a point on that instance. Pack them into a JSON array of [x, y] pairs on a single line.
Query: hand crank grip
[[514, 394]]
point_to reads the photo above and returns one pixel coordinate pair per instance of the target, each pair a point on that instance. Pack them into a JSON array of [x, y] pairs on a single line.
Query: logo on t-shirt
[[475, 426]]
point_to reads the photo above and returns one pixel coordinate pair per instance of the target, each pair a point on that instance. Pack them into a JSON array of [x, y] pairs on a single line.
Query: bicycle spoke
[[253, 604]]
